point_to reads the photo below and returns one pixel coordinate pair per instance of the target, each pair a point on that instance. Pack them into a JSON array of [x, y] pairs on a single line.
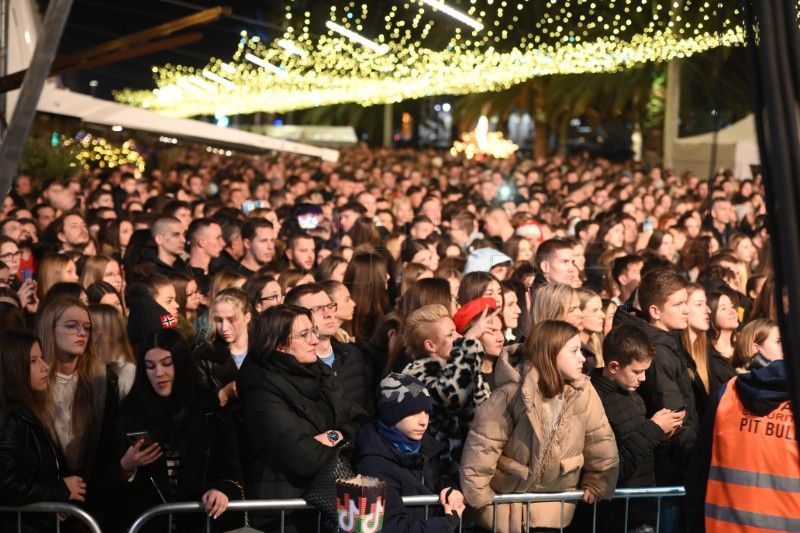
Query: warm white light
[[219, 79], [227, 67], [458, 15], [292, 48], [261, 63], [480, 132], [353, 36], [116, 128]]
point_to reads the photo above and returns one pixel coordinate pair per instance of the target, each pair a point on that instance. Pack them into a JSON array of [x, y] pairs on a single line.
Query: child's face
[[629, 377], [414, 426]]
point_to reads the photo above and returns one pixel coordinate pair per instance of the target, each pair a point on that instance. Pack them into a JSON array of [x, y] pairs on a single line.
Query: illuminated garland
[[97, 152], [300, 71]]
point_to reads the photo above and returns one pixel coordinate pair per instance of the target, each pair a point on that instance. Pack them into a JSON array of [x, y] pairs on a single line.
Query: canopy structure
[[737, 149], [23, 32]]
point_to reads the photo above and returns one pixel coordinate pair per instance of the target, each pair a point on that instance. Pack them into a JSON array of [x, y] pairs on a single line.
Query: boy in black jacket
[[396, 449], [628, 354]]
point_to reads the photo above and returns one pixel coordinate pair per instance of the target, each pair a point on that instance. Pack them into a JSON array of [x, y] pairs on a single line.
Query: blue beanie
[[401, 396]]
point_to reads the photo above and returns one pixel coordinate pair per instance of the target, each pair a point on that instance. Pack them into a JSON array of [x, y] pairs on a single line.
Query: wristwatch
[[333, 436]]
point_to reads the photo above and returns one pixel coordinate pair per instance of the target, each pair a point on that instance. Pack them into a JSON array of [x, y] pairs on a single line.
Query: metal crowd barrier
[[57, 509], [289, 505]]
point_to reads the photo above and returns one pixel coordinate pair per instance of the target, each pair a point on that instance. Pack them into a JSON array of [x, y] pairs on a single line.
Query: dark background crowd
[[214, 331]]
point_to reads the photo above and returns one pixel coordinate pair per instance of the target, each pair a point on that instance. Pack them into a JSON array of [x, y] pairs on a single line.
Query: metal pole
[[388, 125], [20, 126]]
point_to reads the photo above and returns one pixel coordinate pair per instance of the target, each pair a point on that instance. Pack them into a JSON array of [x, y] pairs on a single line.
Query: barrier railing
[[528, 498], [56, 509]]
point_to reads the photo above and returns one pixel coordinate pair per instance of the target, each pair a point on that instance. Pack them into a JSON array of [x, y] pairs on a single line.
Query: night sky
[[93, 22]]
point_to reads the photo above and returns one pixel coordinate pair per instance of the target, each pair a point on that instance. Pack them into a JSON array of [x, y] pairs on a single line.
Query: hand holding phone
[[136, 436], [680, 409]]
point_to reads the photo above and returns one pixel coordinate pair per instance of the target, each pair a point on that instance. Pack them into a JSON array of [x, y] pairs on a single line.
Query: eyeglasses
[[11, 256], [193, 293], [314, 330], [274, 296], [74, 327], [321, 308]]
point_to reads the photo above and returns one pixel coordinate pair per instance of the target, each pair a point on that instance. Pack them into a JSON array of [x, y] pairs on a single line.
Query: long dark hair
[[165, 418], [365, 277], [15, 377], [273, 328]]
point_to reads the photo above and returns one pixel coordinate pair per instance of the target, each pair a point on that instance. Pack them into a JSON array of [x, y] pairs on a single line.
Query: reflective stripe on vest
[[754, 478]]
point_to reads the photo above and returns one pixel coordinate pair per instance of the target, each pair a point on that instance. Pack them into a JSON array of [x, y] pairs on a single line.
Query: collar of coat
[[512, 371]]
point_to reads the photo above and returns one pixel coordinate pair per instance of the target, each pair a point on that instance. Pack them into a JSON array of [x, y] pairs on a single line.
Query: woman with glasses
[[85, 392], [10, 259], [295, 412], [263, 291], [102, 268]]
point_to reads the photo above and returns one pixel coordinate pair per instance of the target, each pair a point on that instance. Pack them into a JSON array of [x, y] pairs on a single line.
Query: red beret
[[470, 310]]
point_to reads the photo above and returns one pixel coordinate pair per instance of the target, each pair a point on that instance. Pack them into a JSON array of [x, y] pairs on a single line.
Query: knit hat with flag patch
[[146, 315]]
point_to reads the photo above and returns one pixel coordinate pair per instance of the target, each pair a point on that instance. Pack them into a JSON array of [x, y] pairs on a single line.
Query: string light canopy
[[417, 48]]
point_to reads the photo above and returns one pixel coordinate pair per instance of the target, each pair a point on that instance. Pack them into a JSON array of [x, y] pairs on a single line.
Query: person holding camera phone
[[174, 442]]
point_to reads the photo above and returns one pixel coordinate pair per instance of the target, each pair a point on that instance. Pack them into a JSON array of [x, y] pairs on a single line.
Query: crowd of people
[[214, 331]]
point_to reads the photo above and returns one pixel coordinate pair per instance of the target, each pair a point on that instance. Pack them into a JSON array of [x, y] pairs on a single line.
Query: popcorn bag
[[360, 503]]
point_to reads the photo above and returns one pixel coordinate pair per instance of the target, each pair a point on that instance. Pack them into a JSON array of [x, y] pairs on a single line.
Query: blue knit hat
[[401, 396]]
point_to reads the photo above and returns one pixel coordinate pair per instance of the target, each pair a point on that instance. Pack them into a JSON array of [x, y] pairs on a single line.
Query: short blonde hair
[[754, 332], [419, 327]]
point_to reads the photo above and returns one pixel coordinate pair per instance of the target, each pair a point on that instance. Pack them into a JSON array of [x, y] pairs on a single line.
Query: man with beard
[[70, 231], [301, 252]]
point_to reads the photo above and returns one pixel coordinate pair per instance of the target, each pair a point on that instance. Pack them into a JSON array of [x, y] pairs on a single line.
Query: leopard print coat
[[457, 389]]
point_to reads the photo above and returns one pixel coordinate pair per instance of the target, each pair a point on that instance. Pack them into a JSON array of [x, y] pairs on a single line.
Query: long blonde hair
[[541, 349], [89, 369], [595, 342], [238, 300], [51, 271], [550, 302], [111, 338], [699, 348]]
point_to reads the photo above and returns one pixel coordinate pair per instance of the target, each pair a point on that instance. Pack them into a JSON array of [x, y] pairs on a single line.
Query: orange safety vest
[[754, 479]]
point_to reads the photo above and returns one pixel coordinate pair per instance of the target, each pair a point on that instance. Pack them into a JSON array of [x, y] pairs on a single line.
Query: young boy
[[397, 450], [628, 354]]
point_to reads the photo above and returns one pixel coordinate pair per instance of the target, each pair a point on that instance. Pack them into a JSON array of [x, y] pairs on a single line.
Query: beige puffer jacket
[[507, 450]]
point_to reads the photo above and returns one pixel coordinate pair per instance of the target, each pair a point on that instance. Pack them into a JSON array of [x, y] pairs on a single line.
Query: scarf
[[400, 442]]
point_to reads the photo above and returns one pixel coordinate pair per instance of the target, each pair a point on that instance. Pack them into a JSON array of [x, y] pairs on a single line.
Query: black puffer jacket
[[29, 469], [671, 382], [404, 475], [355, 374], [286, 404]]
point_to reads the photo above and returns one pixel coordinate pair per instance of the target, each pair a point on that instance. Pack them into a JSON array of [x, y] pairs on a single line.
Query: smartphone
[[647, 225], [136, 436], [250, 205], [680, 409], [27, 274], [308, 221]]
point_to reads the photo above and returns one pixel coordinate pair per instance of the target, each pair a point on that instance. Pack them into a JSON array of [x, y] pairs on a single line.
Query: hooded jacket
[[508, 450], [404, 475], [671, 382], [761, 392]]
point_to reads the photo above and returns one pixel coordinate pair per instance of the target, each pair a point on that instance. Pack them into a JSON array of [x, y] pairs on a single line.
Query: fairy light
[[415, 56], [99, 153], [353, 36], [458, 15], [265, 64]]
